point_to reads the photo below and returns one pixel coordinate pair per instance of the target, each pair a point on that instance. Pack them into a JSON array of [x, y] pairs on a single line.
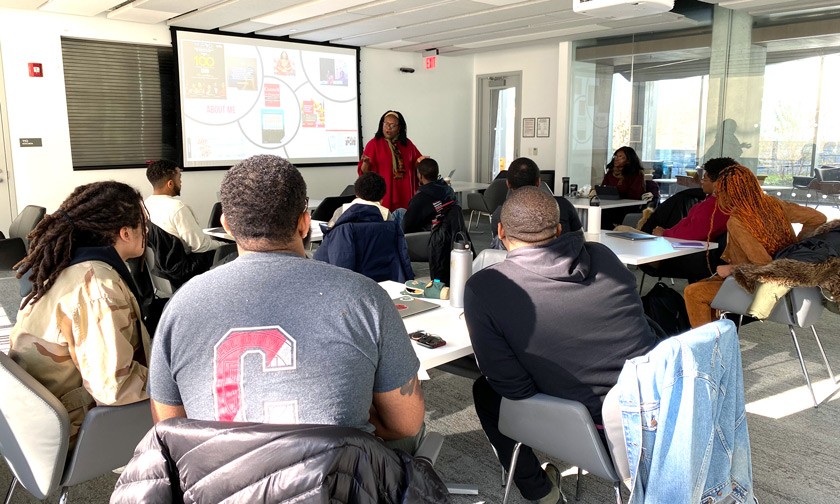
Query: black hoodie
[[421, 209], [560, 319]]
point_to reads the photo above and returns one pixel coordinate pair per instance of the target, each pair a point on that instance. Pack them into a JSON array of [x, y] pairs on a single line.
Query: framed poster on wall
[[529, 125], [543, 127]]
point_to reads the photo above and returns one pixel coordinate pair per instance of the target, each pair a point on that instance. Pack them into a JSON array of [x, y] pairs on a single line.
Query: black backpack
[[667, 308], [448, 222]]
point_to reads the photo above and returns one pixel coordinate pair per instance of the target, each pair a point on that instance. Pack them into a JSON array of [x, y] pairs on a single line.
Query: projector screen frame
[[174, 30]]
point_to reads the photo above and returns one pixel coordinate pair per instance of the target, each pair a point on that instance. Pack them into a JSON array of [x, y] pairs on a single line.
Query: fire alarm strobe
[[35, 70]]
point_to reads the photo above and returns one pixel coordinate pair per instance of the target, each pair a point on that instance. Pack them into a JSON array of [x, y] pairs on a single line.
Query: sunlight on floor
[[794, 400]]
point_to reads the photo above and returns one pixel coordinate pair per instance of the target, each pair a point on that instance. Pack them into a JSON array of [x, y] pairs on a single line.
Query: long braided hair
[[740, 196], [91, 216]]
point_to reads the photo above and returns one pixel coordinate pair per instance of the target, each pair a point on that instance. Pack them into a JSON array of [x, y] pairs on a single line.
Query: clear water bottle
[[460, 269]]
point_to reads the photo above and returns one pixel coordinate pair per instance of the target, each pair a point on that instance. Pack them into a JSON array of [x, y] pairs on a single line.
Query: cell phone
[[427, 340]]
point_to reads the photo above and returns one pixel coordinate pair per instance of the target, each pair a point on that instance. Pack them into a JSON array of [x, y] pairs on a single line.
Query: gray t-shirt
[[276, 338]]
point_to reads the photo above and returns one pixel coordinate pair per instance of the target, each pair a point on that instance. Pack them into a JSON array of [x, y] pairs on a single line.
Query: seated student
[[369, 189], [171, 214], [537, 323], [704, 221], [79, 330], [275, 337], [524, 172], [625, 172], [759, 226], [421, 209]]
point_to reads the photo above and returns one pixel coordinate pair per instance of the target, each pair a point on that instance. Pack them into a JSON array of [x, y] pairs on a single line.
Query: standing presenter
[[393, 156]]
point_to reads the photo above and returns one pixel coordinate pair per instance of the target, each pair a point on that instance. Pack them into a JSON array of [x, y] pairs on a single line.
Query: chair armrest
[[107, 440], [12, 250], [430, 446]]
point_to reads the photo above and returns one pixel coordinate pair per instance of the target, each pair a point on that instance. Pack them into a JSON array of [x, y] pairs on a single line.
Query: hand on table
[[658, 231]]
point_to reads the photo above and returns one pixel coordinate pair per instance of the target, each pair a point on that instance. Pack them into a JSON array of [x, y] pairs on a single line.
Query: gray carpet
[[795, 448]]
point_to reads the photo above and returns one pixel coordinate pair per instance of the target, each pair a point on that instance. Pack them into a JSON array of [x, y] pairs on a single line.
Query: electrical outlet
[[534, 151]]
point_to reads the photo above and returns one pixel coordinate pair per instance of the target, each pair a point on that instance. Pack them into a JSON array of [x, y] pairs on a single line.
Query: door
[[7, 190], [499, 109]]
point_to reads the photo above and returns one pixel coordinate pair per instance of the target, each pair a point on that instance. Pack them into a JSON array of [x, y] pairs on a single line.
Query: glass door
[[499, 98]]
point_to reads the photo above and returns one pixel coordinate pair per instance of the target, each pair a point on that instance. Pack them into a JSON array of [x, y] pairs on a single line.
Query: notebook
[[627, 235], [607, 192], [407, 306], [688, 244]]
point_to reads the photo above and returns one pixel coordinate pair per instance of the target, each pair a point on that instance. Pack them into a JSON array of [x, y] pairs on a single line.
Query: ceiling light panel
[[386, 22], [307, 10], [311, 24], [245, 27], [77, 8], [228, 13], [395, 6], [173, 5]]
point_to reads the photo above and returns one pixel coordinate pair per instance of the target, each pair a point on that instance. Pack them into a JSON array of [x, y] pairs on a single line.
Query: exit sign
[[431, 62]]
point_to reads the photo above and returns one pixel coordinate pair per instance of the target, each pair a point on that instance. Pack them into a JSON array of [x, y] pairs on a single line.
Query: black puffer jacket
[[183, 460]]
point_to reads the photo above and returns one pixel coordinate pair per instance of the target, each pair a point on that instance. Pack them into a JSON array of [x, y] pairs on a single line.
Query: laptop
[[408, 306], [607, 192], [628, 235], [450, 174]]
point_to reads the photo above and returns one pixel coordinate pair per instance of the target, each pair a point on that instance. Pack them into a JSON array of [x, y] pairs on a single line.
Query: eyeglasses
[[388, 125]]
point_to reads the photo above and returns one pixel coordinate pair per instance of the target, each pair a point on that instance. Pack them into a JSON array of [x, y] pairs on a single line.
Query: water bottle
[[460, 269]]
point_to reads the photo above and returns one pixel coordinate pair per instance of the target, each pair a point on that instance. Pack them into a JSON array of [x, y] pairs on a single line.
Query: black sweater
[[560, 319], [421, 209]]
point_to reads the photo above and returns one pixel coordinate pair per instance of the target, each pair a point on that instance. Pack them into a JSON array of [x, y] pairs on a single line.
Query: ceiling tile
[[245, 27], [75, 7], [228, 13], [311, 24], [129, 12]]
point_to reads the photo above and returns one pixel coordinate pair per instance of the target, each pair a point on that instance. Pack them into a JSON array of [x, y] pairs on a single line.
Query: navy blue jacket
[[361, 241]]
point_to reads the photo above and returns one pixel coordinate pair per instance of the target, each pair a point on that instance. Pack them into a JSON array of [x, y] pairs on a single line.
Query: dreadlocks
[[91, 216], [740, 195]]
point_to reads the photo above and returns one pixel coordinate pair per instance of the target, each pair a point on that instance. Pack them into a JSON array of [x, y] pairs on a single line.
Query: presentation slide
[[242, 96]]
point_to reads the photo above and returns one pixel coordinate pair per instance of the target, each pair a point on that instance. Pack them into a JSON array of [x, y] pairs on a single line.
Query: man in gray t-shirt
[[275, 337]]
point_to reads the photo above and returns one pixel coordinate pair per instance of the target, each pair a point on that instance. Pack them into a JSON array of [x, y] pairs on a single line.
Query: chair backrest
[[488, 257], [329, 205], [34, 430], [418, 245], [828, 173], [107, 439], [495, 195], [673, 209], [349, 191], [26, 221], [802, 306], [215, 219], [163, 288], [548, 178], [559, 427], [614, 432]]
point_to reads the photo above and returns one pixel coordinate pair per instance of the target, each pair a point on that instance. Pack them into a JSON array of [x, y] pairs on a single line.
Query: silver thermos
[[460, 269]]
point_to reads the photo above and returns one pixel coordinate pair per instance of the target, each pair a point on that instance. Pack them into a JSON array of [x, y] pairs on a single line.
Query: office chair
[[329, 205], [162, 287], [800, 307], [560, 428], [215, 219], [418, 245], [486, 203], [295, 462], [14, 248], [35, 434], [488, 257]]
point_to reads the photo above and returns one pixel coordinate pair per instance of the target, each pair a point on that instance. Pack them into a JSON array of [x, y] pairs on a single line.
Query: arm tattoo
[[410, 387]]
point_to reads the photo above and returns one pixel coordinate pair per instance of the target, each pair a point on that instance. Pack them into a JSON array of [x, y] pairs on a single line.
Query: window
[[120, 103]]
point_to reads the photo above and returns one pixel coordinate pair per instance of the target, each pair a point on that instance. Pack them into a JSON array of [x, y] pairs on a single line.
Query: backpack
[[448, 222], [667, 308]]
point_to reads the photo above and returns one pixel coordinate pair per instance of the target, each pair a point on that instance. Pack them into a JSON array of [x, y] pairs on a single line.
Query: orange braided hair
[[740, 195]]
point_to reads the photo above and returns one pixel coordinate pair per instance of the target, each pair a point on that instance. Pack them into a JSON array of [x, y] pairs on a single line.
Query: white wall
[[543, 79], [437, 106]]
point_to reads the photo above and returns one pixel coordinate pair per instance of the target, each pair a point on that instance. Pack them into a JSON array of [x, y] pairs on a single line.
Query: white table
[[316, 236], [446, 322], [585, 209], [666, 185], [463, 187], [645, 251]]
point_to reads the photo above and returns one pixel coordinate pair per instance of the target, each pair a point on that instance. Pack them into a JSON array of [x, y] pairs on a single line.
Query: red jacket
[[695, 225]]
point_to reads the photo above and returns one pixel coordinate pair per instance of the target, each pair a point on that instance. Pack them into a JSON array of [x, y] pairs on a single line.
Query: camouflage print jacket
[[84, 342]]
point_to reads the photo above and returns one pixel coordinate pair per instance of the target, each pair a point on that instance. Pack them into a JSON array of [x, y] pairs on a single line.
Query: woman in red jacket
[[625, 172]]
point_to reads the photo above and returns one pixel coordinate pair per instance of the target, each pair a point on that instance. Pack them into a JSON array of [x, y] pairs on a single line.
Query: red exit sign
[[431, 62]]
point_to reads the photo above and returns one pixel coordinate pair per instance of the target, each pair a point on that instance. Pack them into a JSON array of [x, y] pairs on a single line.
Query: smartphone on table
[[426, 339]]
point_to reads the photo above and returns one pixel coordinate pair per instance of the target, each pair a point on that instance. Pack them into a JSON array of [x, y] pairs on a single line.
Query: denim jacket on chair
[[684, 420]]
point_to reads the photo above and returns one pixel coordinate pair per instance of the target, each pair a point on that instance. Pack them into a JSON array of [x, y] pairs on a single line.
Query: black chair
[[418, 246], [827, 174], [215, 215], [14, 248], [329, 205], [547, 176], [673, 209], [348, 191]]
